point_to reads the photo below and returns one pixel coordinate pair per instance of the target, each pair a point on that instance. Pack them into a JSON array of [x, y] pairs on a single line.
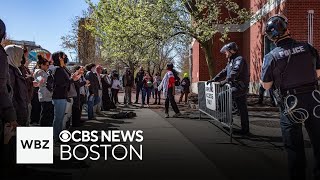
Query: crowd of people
[[55, 95]]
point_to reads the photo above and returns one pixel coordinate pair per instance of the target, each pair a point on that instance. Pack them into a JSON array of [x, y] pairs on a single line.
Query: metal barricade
[[216, 102]]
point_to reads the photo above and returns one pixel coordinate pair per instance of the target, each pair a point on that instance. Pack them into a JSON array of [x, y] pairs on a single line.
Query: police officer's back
[[292, 70]]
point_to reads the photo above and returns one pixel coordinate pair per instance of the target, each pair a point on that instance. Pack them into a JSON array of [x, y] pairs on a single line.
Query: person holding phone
[[77, 105], [60, 96], [44, 95]]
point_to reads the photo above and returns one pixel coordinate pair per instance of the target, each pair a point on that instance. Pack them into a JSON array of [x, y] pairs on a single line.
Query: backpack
[[177, 78], [183, 82], [50, 81]]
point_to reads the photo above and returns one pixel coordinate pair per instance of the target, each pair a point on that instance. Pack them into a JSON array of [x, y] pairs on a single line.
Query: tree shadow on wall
[[259, 51]]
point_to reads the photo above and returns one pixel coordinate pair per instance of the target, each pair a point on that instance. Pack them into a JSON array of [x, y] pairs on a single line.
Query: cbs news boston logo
[[34, 145]]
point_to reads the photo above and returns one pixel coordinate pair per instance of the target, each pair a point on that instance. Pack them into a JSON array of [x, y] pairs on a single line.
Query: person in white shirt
[[115, 87]]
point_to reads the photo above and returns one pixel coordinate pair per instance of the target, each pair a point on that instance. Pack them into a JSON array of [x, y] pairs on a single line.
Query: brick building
[[304, 25]]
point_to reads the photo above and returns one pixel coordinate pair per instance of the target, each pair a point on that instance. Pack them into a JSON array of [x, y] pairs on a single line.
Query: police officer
[[292, 70], [236, 73]]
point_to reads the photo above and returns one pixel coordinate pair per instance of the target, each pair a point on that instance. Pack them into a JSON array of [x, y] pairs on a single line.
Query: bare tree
[[81, 43]]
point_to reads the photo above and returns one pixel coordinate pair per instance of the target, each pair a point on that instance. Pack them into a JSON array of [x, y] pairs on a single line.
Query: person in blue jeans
[[61, 85], [146, 88], [93, 98]]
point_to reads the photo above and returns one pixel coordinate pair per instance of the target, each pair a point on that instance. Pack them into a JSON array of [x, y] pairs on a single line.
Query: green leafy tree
[[135, 30]]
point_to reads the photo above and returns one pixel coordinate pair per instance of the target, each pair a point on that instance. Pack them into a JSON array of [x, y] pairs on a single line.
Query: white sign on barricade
[[210, 96]]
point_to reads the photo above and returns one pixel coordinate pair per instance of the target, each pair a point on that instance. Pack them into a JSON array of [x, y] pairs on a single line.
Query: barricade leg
[[231, 133]]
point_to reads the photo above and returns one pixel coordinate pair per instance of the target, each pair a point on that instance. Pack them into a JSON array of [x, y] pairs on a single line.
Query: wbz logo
[[34, 145]]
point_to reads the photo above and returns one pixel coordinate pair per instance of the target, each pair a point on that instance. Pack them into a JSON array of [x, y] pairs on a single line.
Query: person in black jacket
[[93, 98], [29, 81], [139, 83], [128, 82], [185, 83], [7, 112], [18, 83], [77, 106], [107, 104], [62, 81]]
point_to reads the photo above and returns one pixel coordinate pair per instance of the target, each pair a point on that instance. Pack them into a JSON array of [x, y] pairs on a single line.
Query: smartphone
[[39, 78]]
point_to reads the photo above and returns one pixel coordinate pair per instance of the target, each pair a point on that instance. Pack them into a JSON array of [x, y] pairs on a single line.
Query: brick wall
[[200, 67], [297, 14], [195, 58], [251, 42]]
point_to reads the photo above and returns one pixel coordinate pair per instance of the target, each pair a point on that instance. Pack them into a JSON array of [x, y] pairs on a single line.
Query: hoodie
[[18, 83], [14, 56]]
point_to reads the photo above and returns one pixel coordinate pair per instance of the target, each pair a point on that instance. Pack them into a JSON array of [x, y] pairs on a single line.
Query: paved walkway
[[178, 148], [167, 153]]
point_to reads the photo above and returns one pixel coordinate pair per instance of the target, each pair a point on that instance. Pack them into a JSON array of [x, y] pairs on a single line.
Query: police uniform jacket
[[236, 72], [288, 73]]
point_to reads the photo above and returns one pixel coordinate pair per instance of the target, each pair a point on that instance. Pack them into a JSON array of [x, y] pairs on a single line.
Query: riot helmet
[[230, 46], [276, 27]]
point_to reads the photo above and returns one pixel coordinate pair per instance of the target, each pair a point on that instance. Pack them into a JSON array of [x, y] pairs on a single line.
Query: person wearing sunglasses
[[44, 95]]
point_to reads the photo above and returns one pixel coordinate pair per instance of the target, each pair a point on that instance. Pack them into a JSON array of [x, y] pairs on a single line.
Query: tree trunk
[[149, 65], [131, 66], [207, 47], [190, 65], [160, 71]]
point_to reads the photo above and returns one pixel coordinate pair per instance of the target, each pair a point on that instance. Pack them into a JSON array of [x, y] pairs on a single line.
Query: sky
[[42, 21]]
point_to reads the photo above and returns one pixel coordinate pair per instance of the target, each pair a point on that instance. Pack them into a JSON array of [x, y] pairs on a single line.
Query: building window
[[268, 45]]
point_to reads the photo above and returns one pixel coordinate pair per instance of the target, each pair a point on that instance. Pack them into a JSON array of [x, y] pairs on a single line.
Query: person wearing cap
[[168, 85], [236, 73], [185, 83], [292, 70]]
